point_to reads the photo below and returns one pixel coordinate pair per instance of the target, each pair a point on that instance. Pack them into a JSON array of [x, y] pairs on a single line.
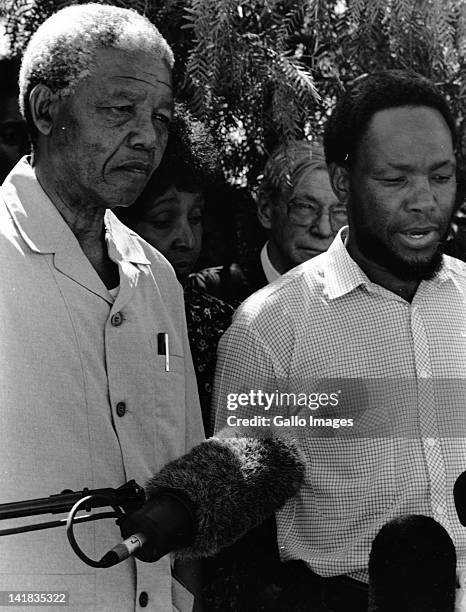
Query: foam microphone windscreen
[[412, 567], [233, 482]]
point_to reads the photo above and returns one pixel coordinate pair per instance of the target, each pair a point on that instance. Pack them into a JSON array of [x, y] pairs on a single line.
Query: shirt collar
[[41, 226], [122, 242], [271, 273], [451, 269], [344, 275]]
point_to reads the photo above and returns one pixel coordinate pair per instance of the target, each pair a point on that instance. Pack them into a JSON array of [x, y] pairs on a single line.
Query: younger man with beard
[[378, 321]]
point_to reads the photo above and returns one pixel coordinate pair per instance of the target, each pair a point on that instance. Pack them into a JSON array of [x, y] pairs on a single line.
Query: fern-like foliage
[[263, 62], [268, 71], [243, 65], [346, 39]]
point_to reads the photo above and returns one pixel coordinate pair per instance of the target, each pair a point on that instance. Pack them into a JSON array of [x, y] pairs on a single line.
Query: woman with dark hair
[[168, 214]]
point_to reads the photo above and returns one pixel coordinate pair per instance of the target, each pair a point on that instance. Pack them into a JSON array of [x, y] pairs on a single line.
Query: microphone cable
[[70, 521]]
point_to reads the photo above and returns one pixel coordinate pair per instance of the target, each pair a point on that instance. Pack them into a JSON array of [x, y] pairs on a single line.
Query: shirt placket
[[430, 438]]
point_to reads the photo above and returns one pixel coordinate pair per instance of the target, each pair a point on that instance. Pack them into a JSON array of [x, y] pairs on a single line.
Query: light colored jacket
[[66, 363]]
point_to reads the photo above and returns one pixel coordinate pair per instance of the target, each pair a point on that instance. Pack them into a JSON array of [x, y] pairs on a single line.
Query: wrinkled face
[[403, 187], [304, 223], [173, 225], [110, 134], [14, 141]]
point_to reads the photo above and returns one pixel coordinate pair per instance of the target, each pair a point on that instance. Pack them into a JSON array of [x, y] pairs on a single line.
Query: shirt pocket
[[170, 383], [175, 364], [169, 407]]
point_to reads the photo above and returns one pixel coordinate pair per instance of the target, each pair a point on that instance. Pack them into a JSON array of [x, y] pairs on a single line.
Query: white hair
[[62, 50], [286, 165]]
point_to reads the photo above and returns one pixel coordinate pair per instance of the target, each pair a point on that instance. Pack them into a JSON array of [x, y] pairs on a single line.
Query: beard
[[374, 248]]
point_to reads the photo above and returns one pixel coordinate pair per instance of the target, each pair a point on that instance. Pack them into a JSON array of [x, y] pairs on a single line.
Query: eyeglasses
[[13, 133], [307, 214]]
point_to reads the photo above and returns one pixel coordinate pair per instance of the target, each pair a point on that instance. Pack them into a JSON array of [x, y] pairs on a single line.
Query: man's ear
[[264, 212], [340, 181], [43, 105]]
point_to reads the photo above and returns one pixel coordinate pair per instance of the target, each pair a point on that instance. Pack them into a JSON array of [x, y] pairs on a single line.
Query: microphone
[[459, 494], [210, 497], [412, 567], [160, 526], [122, 551]]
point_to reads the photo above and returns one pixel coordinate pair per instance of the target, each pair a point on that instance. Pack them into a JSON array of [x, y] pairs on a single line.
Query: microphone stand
[[125, 500]]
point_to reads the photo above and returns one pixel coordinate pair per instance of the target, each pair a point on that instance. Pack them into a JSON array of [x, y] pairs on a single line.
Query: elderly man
[[300, 214], [371, 335], [298, 208], [87, 398]]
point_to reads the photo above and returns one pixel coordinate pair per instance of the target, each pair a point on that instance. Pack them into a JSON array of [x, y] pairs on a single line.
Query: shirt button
[[424, 374], [440, 510], [143, 599], [117, 319], [430, 442], [121, 409]]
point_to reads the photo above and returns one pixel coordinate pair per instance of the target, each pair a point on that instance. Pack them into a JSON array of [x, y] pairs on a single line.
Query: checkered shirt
[[399, 370]]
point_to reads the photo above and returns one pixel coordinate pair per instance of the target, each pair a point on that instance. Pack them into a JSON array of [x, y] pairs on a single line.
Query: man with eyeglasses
[[297, 208], [300, 215], [14, 142]]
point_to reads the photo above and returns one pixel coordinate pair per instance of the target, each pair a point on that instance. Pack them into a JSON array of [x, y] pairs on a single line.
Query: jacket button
[[121, 409], [117, 319], [143, 599]]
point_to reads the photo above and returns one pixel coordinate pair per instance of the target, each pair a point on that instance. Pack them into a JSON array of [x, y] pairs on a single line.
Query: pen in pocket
[[162, 349]]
